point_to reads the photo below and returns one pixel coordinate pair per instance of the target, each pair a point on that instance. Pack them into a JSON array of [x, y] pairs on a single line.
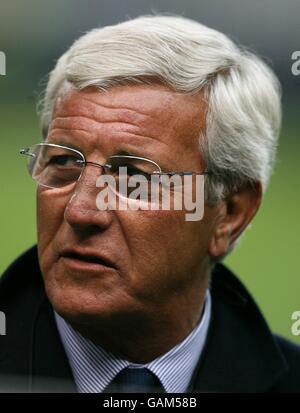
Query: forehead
[[147, 114]]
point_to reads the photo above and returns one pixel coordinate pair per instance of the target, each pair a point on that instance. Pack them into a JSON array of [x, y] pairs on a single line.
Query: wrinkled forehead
[[151, 110]]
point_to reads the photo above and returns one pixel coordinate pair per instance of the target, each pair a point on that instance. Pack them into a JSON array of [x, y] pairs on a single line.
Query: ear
[[233, 216]]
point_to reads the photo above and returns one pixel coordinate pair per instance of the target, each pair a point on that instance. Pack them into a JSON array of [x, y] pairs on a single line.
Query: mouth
[[86, 261]]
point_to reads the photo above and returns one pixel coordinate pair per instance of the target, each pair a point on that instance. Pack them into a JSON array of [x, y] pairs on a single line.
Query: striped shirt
[[94, 368]]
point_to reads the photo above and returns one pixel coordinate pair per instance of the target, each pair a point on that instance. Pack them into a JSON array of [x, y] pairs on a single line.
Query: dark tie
[[135, 380]]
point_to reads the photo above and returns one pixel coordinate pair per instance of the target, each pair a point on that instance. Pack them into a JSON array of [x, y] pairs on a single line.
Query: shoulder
[[21, 285], [27, 263], [290, 382], [290, 350], [265, 362]]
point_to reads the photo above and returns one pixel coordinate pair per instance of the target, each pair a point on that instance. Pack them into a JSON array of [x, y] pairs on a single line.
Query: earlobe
[[220, 239], [242, 208], [237, 212]]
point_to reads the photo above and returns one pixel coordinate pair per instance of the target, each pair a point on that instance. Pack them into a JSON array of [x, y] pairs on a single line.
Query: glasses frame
[[25, 151]]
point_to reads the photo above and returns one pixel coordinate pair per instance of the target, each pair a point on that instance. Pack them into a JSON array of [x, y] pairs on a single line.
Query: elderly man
[[135, 298]]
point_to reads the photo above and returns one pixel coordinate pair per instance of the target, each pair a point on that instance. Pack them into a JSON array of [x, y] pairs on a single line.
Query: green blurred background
[[34, 34]]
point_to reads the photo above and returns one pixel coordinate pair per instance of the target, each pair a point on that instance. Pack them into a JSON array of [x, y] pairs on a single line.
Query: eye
[[64, 160], [131, 171]]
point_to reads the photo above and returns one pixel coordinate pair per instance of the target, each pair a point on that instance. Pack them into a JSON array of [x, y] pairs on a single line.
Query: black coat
[[240, 355]]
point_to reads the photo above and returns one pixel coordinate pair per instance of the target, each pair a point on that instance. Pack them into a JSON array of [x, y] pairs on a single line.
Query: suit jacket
[[240, 355]]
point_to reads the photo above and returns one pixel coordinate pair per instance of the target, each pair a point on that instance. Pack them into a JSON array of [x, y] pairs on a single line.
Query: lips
[[88, 257]]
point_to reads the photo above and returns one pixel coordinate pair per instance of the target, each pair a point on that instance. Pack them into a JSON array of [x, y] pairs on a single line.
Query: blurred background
[[34, 33]]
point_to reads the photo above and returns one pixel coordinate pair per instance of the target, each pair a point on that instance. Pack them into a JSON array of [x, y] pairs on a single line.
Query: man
[[136, 299]]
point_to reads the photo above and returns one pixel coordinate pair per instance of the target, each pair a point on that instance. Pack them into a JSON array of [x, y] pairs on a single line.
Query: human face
[[153, 261]]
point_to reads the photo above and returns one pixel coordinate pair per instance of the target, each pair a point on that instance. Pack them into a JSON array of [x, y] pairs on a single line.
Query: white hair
[[242, 92]]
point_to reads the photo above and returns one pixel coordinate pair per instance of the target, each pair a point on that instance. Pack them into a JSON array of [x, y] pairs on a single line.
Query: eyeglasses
[[56, 166]]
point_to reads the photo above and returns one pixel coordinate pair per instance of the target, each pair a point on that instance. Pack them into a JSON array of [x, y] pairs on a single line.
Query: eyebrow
[[121, 152], [66, 144], [126, 153]]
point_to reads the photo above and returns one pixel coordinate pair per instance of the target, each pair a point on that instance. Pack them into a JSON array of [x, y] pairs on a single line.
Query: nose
[[81, 211]]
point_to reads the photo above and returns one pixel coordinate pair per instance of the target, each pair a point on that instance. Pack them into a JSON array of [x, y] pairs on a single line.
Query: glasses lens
[[132, 174], [54, 166], [132, 166], [140, 184]]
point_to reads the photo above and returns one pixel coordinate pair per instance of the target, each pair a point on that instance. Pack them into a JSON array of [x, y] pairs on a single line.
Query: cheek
[[50, 216], [164, 247]]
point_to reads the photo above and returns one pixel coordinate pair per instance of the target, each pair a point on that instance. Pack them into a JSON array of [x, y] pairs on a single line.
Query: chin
[[83, 306]]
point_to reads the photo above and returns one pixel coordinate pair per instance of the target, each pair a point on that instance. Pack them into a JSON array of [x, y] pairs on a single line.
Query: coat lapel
[[50, 368], [32, 357], [240, 354]]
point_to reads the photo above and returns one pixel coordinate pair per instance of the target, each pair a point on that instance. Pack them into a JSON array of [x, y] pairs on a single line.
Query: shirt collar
[[94, 368]]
